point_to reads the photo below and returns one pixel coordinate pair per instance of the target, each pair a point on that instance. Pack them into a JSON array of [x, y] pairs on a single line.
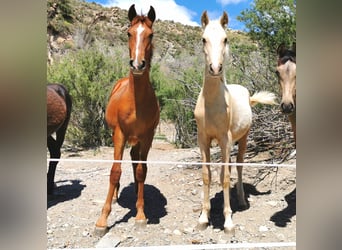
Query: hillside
[[76, 27], [85, 24]]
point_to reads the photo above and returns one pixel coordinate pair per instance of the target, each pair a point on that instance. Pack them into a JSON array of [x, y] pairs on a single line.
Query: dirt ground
[[173, 197]]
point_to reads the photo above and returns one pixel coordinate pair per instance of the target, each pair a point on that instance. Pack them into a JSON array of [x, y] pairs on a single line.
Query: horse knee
[[140, 173], [115, 175]]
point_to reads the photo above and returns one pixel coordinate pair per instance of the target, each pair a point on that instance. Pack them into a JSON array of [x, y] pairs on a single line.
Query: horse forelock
[[288, 55], [142, 19]]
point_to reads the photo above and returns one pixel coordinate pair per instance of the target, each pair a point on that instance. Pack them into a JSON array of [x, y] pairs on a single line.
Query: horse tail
[[263, 97]]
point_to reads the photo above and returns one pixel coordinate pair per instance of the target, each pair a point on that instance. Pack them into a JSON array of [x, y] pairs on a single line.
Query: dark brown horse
[[133, 113], [286, 73], [58, 107]]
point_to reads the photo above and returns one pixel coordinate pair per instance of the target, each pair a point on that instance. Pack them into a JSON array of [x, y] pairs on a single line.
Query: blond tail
[[263, 97]]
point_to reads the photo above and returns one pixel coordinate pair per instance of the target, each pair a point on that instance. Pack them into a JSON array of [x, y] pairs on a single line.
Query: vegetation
[[271, 22], [97, 56], [89, 75]]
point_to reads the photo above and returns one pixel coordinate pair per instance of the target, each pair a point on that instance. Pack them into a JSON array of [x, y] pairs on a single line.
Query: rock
[[108, 241], [263, 229], [272, 203], [177, 232]]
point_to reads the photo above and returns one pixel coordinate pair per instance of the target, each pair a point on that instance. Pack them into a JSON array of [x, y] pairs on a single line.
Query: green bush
[[89, 76]]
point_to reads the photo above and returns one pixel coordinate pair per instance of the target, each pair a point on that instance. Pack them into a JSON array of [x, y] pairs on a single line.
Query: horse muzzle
[[137, 68], [287, 108], [215, 70]]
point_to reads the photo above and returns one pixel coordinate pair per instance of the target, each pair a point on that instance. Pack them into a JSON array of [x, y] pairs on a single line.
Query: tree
[[271, 22]]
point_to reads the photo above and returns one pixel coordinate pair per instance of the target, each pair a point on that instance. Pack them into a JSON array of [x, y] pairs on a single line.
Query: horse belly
[[241, 111]]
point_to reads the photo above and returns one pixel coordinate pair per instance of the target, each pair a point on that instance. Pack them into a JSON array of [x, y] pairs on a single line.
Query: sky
[[186, 11]]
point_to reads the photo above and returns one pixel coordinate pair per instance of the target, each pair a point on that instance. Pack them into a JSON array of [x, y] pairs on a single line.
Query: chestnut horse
[[58, 109], [286, 73], [133, 113], [223, 112]]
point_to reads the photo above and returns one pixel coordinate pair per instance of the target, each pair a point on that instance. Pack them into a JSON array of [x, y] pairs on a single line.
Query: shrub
[[89, 75]]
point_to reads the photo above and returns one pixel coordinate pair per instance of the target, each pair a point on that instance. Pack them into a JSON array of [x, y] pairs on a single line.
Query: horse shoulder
[[117, 102]]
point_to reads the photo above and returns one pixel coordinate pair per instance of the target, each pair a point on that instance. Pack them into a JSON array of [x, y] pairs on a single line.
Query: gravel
[[173, 196]]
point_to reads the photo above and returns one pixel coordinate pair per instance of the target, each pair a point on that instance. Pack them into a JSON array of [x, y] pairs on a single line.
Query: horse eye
[[151, 36], [129, 34], [225, 40], [203, 40]]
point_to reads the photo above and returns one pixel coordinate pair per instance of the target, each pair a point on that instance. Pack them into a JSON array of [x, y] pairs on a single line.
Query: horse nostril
[[142, 65], [131, 63], [211, 68], [220, 68]]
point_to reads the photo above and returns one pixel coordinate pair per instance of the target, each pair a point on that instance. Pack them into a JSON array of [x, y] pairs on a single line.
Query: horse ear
[[281, 50], [224, 19], [132, 13], [151, 14], [204, 19]]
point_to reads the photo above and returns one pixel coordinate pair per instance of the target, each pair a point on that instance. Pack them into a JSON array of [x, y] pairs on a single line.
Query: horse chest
[[212, 119]]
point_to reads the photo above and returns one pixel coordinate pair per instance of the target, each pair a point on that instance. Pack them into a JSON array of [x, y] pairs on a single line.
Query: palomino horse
[[223, 112], [286, 73], [133, 113], [58, 109]]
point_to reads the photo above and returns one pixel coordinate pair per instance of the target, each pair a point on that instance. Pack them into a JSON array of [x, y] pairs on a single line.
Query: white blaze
[[140, 29]]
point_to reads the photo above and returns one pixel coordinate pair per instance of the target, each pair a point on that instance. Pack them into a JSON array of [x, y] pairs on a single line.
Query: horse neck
[[141, 85], [213, 87]]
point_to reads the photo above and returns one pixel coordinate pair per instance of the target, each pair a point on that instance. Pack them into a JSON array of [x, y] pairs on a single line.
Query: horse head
[[286, 73], [215, 43], [140, 36]]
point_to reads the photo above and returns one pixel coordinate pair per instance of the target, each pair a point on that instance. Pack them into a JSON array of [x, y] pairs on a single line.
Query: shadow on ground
[[155, 203], [71, 190], [216, 211], [284, 216]]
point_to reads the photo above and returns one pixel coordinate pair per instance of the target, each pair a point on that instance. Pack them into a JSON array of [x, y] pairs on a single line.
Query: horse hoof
[[140, 223], [202, 226], [100, 231], [229, 230]]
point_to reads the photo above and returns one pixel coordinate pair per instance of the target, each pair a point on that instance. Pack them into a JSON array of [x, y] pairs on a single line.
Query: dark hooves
[[100, 231], [140, 223]]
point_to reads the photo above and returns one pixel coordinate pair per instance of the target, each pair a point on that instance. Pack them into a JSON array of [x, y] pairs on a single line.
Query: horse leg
[[225, 145], [240, 158], [292, 119], [135, 153], [114, 180], [206, 176], [54, 147], [140, 172], [54, 153]]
